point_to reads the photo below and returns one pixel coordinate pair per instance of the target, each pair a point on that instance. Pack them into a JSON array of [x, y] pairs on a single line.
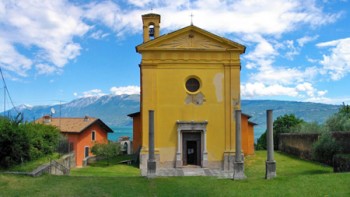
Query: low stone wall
[[64, 163], [297, 144], [300, 144]]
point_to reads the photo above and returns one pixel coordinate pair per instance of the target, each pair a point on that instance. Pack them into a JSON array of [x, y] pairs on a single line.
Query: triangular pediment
[[191, 38]]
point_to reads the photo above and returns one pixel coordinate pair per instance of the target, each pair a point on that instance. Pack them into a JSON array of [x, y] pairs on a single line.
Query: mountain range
[[113, 110]]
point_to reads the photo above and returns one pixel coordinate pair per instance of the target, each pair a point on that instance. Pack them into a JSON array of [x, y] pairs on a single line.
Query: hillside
[[113, 110], [310, 112]]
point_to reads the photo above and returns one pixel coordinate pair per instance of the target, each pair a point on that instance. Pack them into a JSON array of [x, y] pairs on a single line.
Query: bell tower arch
[[151, 28]]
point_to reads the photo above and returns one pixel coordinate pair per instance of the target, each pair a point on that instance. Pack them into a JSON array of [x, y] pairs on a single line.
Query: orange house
[[82, 133], [247, 134], [137, 134], [246, 126]]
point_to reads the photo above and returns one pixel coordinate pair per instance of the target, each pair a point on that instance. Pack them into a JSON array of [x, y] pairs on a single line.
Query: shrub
[[107, 150], [325, 148], [306, 127], [24, 142], [14, 144], [261, 143], [340, 121], [44, 139]]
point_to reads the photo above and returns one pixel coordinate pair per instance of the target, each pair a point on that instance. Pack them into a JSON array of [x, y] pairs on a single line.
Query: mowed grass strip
[[294, 178], [106, 168]]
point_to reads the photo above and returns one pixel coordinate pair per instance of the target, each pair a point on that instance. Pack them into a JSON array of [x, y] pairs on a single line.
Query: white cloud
[[307, 88], [262, 51], [303, 90], [46, 29], [302, 41], [125, 90], [45, 69], [99, 35], [140, 3], [257, 89], [11, 60], [337, 62], [274, 75], [93, 93]]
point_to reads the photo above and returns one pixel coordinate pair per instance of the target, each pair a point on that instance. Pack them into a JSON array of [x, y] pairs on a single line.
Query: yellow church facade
[[190, 78]]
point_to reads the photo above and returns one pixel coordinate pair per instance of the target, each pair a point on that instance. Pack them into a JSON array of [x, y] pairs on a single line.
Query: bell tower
[[150, 26]]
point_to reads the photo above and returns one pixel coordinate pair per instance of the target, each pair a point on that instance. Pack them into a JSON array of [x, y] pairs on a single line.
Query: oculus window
[[192, 85]]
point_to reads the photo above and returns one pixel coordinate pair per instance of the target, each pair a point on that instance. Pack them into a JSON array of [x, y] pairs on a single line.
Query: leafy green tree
[[107, 151], [14, 143], [261, 143], [308, 127], [340, 121], [21, 142], [44, 139], [284, 124]]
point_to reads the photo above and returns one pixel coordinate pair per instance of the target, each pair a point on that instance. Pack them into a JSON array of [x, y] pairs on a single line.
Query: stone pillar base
[[151, 168], [229, 159], [178, 163], [270, 169], [238, 171], [205, 160]]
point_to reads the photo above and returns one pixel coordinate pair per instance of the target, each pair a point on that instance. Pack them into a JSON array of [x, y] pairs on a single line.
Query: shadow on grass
[[314, 172]]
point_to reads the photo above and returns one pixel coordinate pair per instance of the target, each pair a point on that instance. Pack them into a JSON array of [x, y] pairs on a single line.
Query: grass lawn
[[294, 178], [108, 169]]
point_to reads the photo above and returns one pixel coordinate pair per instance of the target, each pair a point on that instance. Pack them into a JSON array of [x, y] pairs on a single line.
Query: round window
[[192, 85]]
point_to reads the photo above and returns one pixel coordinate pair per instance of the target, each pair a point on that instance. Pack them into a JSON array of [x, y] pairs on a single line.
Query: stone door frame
[[191, 127]]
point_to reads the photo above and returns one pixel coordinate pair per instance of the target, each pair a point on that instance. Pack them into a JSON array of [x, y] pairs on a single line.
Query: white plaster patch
[[219, 85]]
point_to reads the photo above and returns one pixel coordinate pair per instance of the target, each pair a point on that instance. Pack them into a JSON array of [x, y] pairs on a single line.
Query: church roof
[[191, 38]]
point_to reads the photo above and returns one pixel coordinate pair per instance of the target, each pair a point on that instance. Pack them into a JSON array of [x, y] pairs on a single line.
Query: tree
[[21, 142], [44, 139], [106, 151], [14, 143], [284, 124], [340, 121], [261, 143]]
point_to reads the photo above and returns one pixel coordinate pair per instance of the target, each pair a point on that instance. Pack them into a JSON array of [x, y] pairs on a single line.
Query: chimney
[[151, 27], [47, 119], [86, 118]]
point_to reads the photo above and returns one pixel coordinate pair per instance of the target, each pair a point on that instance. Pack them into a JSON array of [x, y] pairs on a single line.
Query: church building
[[190, 78]]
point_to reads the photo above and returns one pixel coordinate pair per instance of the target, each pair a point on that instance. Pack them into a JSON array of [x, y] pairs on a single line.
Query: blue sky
[[56, 51]]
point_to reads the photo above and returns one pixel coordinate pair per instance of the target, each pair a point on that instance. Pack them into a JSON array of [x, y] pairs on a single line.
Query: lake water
[[120, 131]]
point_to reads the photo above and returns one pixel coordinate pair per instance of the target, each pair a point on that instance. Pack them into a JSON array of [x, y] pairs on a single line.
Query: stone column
[[151, 163], [238, 166], [205, 154], [178, 162], [270, 162]]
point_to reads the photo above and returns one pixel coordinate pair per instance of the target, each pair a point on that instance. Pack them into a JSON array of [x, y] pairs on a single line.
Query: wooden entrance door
[[191, 148]]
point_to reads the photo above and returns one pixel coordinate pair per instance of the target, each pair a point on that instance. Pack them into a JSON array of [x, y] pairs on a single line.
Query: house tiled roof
[[72, 125]]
